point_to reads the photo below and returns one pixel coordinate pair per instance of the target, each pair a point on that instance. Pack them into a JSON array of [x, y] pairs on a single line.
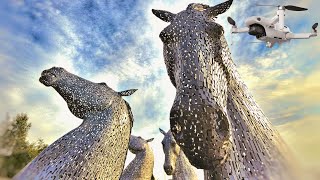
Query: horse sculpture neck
[[184, 170], [257, 149], [144, 162], [82, 151]]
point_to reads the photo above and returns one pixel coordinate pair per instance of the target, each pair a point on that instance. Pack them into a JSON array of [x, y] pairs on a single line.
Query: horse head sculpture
[[81, 95], [141, 167], [98, 147], [176, 163], [194, 50], [171, 151], [137, 144], [214, 118]]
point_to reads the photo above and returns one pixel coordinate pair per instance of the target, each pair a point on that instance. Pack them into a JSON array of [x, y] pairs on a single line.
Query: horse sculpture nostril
[[44, 72], [168, 169]]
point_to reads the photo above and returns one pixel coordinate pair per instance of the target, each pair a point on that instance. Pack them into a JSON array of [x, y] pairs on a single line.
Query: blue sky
[[117, 43]]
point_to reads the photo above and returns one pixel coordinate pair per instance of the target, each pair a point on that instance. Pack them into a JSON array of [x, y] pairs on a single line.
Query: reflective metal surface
[[214, 118], [141, 167], [176, 163], [97, 148]]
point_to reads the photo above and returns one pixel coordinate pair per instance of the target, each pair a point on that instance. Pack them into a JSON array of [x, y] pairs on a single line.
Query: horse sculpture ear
[[164, 15], [127, 92], [103, 84], [162, 131], [149, 140], [218, 9]]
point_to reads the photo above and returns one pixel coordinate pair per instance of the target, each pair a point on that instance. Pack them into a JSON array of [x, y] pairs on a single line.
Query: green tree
[[19, 151]]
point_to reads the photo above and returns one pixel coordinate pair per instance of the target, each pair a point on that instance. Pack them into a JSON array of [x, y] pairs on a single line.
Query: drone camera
[[314, 27], [257, 30]]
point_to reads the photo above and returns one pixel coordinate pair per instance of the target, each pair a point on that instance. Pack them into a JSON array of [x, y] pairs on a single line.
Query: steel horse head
[[194, 52]]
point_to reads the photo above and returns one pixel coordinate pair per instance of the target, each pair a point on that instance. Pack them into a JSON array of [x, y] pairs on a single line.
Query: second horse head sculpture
[[176, 163], [214, 119], [141, 167]]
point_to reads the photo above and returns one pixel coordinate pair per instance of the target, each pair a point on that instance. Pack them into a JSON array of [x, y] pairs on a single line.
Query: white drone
[[272, 30]]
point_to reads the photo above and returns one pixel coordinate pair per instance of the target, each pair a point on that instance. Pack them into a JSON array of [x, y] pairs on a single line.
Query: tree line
[[15, 150]]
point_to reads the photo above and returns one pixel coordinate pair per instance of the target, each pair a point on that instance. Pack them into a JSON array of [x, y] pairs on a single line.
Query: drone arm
[[300, 35], [281, 18], [239, 30], [274, 20]]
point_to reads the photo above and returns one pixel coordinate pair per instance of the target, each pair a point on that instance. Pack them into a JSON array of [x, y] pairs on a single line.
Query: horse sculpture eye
[[167, 35], [173, 144]]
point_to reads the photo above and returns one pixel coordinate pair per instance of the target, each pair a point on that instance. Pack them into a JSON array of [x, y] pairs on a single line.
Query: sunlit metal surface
[[176, 163], [214, 119], [141, 167], [97, 148]]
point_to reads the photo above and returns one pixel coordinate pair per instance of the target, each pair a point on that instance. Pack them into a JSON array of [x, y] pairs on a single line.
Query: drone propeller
[[256, 42], [294, 8], [314, 27], [288, 7], [231, 21], [266, 5]]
